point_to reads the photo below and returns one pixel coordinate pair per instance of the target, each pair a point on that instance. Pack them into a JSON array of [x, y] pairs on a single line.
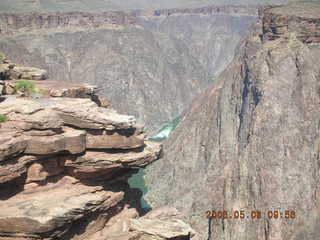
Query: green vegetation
[[2, 57], [24, 86], [3, 118]]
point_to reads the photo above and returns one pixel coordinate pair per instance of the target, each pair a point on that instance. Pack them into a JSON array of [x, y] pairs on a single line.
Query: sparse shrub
[[24, 86], [2, 57], [3, 118]]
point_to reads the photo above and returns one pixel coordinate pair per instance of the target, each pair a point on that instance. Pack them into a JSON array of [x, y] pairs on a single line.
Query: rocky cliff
[[150, 64], [251, 141], [278, 21], [64, 164], [11, 23]]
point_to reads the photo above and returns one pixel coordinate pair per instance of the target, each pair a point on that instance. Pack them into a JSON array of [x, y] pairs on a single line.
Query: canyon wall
[[149, 66], [107, 5], [13, 23], [250, 142], [304, 23]]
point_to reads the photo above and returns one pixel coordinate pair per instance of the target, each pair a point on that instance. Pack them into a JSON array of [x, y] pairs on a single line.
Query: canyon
[[149, 63], [251, 140], [235, 88]]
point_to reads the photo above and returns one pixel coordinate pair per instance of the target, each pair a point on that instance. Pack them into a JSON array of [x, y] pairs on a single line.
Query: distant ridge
[[102, 5]]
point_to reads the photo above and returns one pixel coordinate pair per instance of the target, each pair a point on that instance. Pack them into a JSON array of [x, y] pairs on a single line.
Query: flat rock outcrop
[[251, 142], [9, 70], [28, 73], [12, 74], [98, 163], [46, 208]]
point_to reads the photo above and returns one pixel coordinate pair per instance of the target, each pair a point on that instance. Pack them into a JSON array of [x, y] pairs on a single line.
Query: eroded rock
[[90, 116], [93, 164], [45, 209], [102, 139], [11, 144], [28, 73], [71, 140]]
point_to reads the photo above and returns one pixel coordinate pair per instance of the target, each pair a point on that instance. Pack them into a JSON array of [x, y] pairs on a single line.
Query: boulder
[[166, 223]]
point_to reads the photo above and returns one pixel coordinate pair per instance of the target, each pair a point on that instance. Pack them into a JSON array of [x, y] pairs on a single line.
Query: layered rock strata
[[251, 141], [11, 23], [64, 165]]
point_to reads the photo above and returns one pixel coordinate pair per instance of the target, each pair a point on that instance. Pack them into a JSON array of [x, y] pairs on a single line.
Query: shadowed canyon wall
[[251, 141]]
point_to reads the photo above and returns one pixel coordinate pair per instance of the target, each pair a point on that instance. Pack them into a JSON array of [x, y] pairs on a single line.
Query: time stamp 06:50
[[241, 214]]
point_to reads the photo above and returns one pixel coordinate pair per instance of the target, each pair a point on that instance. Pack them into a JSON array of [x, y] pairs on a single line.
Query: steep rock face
[[149, 66], [210, 37], [251, 142], [302, 19], [141, 73]]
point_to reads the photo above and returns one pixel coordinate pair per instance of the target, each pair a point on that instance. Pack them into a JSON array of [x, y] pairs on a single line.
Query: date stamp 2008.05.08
[[254, 214]]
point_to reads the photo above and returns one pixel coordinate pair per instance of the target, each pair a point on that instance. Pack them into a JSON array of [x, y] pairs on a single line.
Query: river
[[137, 180]]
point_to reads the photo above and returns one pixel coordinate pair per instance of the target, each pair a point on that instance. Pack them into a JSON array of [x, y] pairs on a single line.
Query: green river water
[[137, 180]]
